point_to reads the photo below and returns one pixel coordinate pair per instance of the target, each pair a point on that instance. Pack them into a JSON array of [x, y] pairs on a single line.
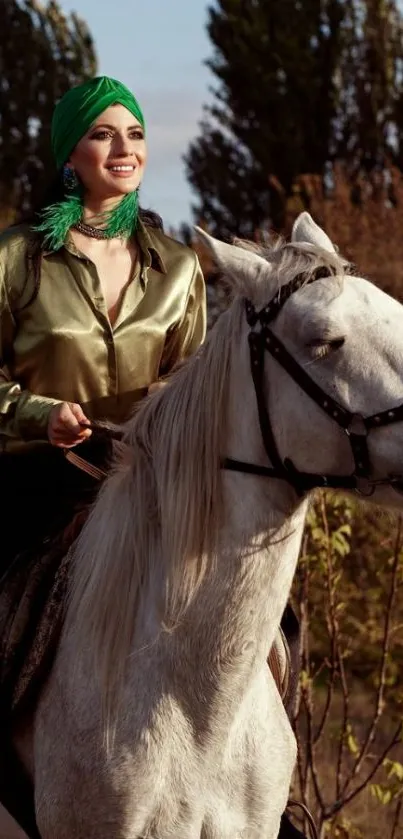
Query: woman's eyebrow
[[114, 127]]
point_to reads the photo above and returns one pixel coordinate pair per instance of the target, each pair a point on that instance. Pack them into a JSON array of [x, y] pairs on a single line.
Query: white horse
[[160, 718]]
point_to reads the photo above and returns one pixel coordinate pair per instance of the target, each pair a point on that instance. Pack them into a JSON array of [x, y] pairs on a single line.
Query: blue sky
[[157, 48]]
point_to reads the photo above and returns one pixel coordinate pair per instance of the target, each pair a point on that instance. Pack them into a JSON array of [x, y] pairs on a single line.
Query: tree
[[300, 84], [370, 85], [42, 54]]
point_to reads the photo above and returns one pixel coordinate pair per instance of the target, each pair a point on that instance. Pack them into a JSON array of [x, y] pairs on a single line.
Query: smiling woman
[[96, 305]]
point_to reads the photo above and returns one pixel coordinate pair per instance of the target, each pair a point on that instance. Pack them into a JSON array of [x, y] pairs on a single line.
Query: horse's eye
[[337, 343], [320, 347]]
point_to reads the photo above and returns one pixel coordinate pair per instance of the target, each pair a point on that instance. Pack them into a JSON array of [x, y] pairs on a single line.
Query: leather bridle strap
[[257, 348], [302, 481], [353, 425], [384, 418]]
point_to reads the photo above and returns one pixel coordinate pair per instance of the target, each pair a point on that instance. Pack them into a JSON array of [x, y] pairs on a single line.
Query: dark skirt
[[40, 492]]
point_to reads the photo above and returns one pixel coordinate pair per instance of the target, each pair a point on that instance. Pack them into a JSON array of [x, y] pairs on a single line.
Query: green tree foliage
[[298, 85], [42, 54]]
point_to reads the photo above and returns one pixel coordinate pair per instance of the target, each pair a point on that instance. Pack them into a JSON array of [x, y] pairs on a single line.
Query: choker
[[95, 232]]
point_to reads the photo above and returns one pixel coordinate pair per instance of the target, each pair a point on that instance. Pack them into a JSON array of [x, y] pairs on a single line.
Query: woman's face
[[110, 159]]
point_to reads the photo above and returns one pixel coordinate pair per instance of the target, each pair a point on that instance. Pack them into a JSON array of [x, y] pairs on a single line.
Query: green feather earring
[[122, 220], [57, 219]]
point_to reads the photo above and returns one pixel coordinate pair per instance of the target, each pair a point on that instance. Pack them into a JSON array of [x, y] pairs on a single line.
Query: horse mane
[[158, 513]]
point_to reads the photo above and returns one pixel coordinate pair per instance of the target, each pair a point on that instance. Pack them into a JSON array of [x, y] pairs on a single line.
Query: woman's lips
[[121, 171]]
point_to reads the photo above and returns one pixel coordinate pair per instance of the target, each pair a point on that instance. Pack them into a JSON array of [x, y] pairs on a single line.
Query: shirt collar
[[149, 249], [148, 246]]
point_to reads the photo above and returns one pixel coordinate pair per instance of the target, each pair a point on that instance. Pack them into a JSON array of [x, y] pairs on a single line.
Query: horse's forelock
[[285, 261]]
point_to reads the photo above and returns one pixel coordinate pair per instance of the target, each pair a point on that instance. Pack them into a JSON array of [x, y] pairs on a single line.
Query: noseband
[[355, 426]]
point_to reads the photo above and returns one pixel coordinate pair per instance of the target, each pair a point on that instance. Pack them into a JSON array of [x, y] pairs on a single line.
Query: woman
[[96, 304]]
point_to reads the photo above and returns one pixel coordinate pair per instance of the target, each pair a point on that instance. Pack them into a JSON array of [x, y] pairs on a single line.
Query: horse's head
[[326, 350]]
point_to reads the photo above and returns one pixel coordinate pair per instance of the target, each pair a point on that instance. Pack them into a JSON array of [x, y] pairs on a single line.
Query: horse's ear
[[306, 230], [234, 261]]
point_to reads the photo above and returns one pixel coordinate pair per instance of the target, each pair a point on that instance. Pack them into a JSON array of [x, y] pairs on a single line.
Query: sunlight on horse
[[160, 718]]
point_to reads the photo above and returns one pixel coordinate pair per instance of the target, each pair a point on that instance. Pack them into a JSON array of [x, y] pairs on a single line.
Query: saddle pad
[[32, 602]]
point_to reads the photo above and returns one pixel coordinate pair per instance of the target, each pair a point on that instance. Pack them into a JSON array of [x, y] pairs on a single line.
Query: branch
[[311, 761], [385, 650], [300, 767], [302, 602], [331, 679], [306, 696], [337, 658], [396, 819], [304, 699], [335, 808], [346, 709], [329, 697]]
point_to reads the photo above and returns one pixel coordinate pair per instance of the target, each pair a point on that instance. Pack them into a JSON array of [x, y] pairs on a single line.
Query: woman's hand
[[65, 425]]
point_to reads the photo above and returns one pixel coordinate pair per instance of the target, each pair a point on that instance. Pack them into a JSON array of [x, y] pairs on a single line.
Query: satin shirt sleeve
[[22, 414], [187, 336]]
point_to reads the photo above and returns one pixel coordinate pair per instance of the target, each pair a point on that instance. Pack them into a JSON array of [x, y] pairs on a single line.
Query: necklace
[[94, 232]]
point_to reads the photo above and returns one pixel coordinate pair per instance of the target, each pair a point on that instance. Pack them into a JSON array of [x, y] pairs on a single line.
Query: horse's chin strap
[[355, 426]]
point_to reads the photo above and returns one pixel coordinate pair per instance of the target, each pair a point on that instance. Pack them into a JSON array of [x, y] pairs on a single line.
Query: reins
[[85, 466], [307, 814], [101, 431]]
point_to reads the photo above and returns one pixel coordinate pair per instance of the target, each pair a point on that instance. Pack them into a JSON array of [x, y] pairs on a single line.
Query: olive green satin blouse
[[62, 347]]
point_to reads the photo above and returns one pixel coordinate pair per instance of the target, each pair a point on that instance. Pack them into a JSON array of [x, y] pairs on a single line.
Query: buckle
[[357, 426], [364, 486]]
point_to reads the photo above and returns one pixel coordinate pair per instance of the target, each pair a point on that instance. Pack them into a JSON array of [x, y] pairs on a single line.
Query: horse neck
[[216, 659], [242, 603]]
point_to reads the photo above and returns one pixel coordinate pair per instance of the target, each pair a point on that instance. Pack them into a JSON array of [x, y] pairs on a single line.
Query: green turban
[[81, 106]]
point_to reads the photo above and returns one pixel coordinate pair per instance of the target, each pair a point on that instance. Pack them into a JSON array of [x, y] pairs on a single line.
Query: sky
[[158, 49]]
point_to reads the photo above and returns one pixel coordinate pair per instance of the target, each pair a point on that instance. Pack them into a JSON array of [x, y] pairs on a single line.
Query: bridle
[[355, 426]]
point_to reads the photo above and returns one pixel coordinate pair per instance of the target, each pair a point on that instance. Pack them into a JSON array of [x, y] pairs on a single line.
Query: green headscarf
[[81, 106], [73, 116]]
